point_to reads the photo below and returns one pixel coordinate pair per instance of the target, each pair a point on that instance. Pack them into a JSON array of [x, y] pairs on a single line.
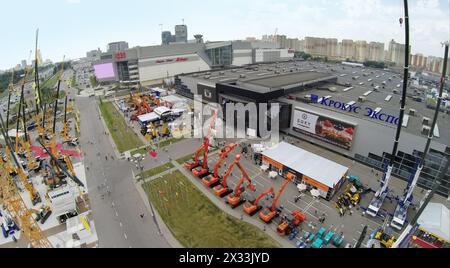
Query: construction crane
[[212, 179], [269, 213], [65, 132], [195, 162], [16, 206], [251, 207], [222, 189], [381, 194], [235, 199], [55, 159], [401, 210], [290, 222], [34, 195]]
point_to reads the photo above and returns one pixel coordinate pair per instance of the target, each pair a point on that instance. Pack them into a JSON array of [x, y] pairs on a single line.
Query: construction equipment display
[[381, 194], [195, 162], [269, 213], [222, 189], [290, 222], [235, 199], [212, 179], [401, 210], [202, 168], [385, 239], [251, 207]]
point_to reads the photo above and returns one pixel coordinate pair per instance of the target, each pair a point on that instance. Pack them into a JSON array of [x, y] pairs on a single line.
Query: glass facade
[[122, 71], [220, 56]]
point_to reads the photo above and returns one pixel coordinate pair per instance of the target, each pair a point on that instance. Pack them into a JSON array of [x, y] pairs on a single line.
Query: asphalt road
[[116, 213]]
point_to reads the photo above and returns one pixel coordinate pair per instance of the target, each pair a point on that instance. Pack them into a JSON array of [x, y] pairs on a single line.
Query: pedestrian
[[351, 212], [315, 212], [372, 170], [106, 157]]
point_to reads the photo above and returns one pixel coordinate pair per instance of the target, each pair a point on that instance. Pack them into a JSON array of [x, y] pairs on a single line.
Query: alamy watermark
[[232, 120]]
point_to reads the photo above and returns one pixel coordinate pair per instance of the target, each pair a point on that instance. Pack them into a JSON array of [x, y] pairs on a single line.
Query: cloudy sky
[[72, 27]]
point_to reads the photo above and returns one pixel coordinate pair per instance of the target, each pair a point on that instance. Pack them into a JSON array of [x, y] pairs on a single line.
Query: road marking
[[120, 224], [303, 210], [125, 235], [117, 214]]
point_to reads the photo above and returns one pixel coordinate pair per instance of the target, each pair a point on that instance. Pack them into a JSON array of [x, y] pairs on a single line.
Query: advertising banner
[[324, 128]]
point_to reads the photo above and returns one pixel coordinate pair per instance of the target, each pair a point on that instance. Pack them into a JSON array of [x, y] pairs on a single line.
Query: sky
[[73, 27]]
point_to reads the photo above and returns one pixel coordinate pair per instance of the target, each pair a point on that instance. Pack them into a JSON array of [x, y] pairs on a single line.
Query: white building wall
[[149, 70], [242, 57], [265, 55]]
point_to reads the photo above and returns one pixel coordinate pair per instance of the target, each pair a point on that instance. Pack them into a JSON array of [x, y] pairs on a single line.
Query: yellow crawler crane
[[16, 207], [32, 164], [34, 195], [69, 165]]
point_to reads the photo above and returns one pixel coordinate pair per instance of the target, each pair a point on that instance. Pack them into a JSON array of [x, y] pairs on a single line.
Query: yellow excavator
[[385, 239]]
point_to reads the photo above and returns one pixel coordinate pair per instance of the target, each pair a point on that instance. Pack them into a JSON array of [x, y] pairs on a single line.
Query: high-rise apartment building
[[376, 51], [181, 33]]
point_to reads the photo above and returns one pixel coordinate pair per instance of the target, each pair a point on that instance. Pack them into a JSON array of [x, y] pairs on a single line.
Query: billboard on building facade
[[104, 71], [324, 128]]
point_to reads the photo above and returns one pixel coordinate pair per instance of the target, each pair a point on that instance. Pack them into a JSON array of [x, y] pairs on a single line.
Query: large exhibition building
[[350, 110], [152, 65]]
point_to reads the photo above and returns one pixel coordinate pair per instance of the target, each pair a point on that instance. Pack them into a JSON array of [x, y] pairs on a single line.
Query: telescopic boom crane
[[222, 189], [212, 179], [271, 212], [252, 207], [402, 208], [381, 194], [235, 199], [202, 168]]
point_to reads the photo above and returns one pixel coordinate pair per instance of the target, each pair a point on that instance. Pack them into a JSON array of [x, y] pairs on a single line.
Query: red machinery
[[137, 104], [202, 168], [252, 207], [271, 212], [146, 106], [212, 179], [222, 189], [289, 222], [195, 162], [235, 199]]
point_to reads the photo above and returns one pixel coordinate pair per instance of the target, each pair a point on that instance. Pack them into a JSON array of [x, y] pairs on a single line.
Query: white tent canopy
[[314, 166], [435, 219]]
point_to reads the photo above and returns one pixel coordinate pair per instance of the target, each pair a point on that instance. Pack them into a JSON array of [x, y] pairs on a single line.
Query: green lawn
[[169, 141], [196, 222], [154, 171], [124, 137], [184, 159], [162, 143]]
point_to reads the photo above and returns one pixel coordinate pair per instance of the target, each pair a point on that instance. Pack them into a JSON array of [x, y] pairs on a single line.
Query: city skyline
[[140, 27]]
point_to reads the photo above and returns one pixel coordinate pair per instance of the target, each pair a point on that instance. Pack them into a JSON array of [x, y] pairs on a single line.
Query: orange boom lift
[[235, 199], [222, 189], [271, 212], [290, 222], [252, 207], [212, 179], [201, 168]]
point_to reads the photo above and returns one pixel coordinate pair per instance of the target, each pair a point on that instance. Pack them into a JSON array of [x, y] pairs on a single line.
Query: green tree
[[94, 81]]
